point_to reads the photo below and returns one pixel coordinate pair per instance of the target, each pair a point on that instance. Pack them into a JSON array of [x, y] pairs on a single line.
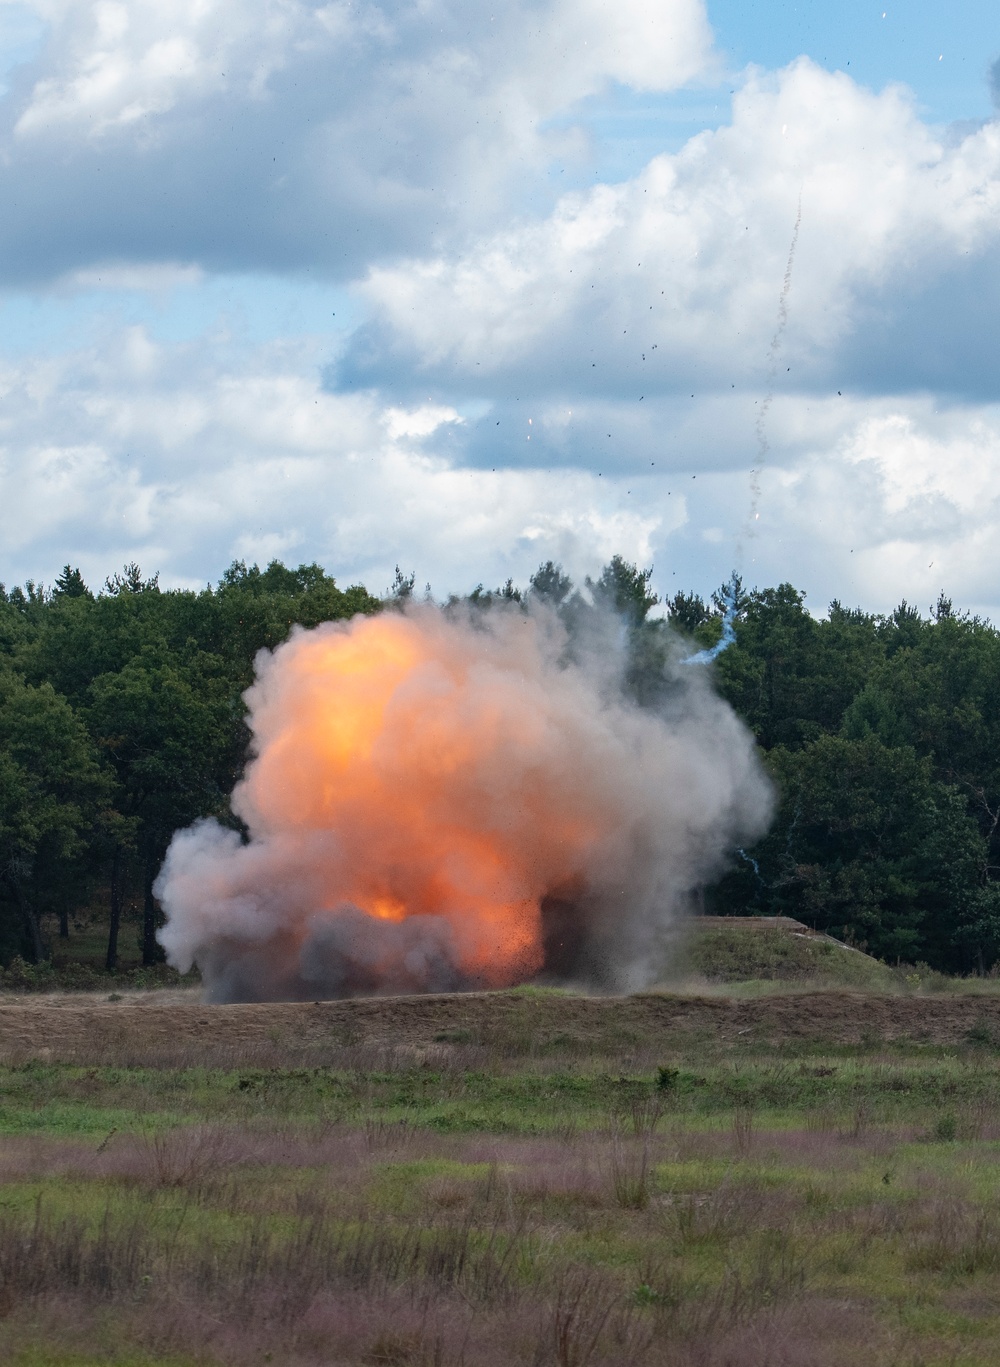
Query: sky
[[467, 287]]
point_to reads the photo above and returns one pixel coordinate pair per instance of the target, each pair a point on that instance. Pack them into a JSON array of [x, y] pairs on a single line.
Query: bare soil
[[73, 1026]]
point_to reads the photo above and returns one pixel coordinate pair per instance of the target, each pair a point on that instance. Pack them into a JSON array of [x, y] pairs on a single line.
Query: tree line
[[121, 720]]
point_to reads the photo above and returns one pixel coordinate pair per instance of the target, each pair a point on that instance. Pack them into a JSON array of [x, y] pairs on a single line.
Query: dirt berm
[[75, 1026]]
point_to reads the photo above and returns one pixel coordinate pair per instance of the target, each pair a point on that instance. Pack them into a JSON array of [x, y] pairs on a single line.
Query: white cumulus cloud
[[671, 279], [288, 134], [184, 461]]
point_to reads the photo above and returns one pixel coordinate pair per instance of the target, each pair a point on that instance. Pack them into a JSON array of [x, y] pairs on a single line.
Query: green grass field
[[450, 1193], [477, 1206]]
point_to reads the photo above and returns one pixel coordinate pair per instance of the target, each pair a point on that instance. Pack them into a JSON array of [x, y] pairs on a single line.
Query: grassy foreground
[[508, 1197]]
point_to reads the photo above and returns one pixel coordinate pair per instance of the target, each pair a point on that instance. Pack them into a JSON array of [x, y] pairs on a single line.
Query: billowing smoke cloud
[[439, 801]]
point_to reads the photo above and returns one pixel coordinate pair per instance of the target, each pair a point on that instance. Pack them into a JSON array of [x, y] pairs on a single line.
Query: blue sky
[[943, 53], [464, 290]]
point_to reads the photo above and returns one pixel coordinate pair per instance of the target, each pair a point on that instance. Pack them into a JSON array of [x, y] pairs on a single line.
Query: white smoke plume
[[438, 801]]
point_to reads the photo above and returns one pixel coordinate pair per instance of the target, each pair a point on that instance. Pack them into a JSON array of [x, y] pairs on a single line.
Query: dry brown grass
[[172, 1030]]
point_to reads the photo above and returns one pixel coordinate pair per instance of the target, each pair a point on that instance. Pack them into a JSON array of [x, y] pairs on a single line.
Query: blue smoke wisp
[[729, 596], [749, 859]]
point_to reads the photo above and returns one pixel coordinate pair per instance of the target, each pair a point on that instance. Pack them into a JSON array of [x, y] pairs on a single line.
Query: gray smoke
[[441, 800]]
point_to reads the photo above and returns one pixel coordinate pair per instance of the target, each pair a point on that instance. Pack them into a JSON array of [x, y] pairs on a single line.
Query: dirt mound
[[732, 949], [77, 1028]]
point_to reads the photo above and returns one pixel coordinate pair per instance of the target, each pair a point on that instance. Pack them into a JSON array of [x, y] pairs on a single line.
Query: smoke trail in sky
[[773, 354]]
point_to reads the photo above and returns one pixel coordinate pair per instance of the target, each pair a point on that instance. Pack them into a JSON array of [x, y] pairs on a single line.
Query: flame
[[443, 801], [388, 739]]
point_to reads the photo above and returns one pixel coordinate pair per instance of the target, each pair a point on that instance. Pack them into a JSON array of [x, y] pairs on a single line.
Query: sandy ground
[[73, 1026]]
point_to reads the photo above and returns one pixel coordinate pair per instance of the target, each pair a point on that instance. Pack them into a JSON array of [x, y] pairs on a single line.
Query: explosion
[[437, 802]]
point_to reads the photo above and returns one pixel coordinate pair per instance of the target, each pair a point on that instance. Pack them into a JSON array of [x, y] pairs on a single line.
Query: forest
[[122, 720]]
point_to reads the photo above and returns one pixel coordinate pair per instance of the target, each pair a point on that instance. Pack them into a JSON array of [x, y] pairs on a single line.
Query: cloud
[[669, 282], [283, 134], [186, 456], [904, 504], [632, 332], [156, 278], [570, 381]]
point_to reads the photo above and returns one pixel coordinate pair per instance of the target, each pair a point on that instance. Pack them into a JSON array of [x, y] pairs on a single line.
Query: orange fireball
[[428, 769], [438, 801]]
